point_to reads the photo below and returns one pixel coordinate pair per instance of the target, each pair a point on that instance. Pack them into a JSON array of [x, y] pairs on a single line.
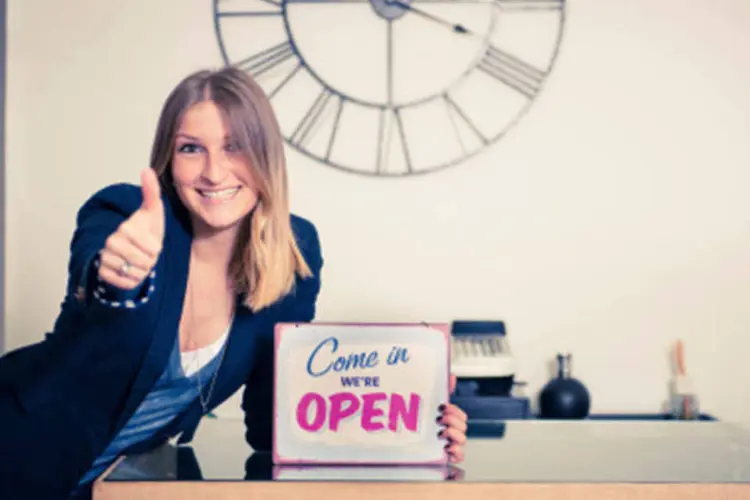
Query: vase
[[564, 397]]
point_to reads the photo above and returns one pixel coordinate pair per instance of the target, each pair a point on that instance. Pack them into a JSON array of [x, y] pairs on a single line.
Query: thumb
[[151, 192]]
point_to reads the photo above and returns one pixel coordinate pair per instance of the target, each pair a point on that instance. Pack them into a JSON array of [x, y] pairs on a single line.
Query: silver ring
[[124, 268]]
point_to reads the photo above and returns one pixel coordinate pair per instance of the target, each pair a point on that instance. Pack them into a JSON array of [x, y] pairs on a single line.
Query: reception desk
[[525, 460]]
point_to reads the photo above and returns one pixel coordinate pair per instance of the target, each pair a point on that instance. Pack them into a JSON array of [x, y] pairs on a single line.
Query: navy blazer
[[100, 361]]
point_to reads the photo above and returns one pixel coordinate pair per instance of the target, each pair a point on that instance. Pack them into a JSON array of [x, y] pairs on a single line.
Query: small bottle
[[564, 397]]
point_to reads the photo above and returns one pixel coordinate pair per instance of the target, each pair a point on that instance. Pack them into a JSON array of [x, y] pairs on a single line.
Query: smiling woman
[[174, 290]]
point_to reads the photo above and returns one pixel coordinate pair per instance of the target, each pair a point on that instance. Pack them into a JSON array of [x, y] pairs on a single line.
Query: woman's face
[[211, 176]]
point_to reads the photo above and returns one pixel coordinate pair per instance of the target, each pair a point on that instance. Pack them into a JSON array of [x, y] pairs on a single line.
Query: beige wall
[[3, 9], [613, 220]]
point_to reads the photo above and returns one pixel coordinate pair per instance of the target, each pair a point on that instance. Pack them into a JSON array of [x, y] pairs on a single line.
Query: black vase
[[564, 397]]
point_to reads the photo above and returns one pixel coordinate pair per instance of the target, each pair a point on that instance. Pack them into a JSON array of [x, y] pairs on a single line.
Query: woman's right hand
[[132, 250]]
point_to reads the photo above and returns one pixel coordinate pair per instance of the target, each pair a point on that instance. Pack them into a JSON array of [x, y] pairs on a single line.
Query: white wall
[[613, 220], [3, 10]]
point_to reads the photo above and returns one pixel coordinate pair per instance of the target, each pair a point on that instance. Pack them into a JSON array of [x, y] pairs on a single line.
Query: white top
[[192, 361]]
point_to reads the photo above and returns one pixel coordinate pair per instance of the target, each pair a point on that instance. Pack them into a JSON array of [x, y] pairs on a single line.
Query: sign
[[360, 393], [409, 473]]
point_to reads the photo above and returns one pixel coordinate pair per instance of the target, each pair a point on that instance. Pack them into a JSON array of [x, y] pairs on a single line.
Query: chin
[[219, 226]]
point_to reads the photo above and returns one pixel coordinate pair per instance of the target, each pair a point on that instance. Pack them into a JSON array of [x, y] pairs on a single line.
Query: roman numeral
[[267, 59], [530, 4], [335, 128], [404, 144], [512, 71], [285, 80], [390, 117], [455, 108], [312, 117]]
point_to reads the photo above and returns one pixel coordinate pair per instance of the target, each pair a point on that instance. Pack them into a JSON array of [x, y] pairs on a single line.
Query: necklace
[[204, 401]]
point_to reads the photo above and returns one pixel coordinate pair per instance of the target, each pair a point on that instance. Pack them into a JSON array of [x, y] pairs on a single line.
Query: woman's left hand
[[453, 420]]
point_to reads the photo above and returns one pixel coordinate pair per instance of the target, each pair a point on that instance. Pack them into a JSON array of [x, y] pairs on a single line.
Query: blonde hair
[[266, 259]]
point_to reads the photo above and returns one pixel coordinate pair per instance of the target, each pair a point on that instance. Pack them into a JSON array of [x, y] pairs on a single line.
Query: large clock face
[[393, 87]]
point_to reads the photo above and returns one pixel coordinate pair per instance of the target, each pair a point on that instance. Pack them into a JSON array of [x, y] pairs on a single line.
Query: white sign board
[[360, 393]]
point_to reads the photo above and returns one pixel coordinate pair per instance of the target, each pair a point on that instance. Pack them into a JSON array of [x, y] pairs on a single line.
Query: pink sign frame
[[290, 446]]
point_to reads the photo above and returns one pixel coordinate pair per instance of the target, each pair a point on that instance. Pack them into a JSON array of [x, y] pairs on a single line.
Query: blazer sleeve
[[99, 217], [298, 307]]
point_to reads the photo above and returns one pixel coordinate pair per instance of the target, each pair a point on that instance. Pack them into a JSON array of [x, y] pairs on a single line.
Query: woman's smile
[[214, 195]]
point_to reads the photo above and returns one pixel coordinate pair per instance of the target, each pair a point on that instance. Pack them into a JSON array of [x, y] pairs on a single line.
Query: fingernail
[[438, 419], [440, 434], [441, 408]]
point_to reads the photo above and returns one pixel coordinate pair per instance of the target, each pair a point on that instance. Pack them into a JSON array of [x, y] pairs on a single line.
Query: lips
[[218, 194]]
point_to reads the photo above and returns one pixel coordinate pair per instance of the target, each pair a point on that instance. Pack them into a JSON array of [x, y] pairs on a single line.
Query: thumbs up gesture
[[132, 250]]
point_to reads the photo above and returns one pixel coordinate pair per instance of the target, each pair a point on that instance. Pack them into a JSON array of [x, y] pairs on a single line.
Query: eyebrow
[[188, 137], [196, 139]]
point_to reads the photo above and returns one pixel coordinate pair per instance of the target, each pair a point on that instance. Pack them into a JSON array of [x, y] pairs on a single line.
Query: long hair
[[266, 258]]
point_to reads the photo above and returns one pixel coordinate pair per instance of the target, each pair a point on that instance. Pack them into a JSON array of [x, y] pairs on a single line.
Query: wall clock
[[393, 87]]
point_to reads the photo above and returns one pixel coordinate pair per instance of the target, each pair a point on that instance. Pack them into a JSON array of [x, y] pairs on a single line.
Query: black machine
[[485, 369]]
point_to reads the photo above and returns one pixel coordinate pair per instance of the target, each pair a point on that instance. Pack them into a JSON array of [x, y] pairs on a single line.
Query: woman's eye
[[189, 148]]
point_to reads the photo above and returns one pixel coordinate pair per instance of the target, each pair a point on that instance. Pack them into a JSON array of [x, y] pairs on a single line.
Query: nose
[[216, 168]]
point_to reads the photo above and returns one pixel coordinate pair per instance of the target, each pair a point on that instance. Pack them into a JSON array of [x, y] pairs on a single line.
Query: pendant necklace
[[204, 401]]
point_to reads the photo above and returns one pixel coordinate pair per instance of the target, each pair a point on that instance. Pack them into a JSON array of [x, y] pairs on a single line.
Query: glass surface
[[524, 451]]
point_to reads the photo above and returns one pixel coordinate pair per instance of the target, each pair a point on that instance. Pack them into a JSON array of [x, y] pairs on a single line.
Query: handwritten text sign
[[365, 393]]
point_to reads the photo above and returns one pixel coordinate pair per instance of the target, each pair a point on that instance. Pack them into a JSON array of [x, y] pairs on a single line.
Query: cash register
[[485, 369]]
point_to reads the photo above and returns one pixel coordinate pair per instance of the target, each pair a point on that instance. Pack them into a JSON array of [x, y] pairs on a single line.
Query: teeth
[[224, 193]]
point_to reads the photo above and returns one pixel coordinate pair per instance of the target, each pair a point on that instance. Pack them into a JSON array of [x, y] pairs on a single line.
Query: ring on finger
[[124, 268]]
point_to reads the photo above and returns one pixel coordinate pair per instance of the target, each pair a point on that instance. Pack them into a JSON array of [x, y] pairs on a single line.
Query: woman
[[173, 292]]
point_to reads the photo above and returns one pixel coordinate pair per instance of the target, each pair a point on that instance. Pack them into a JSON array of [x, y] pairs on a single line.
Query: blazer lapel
[[241, 346], [169, 294]]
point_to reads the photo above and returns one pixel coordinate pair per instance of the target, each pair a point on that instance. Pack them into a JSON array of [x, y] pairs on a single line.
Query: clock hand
[[455, 27]]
